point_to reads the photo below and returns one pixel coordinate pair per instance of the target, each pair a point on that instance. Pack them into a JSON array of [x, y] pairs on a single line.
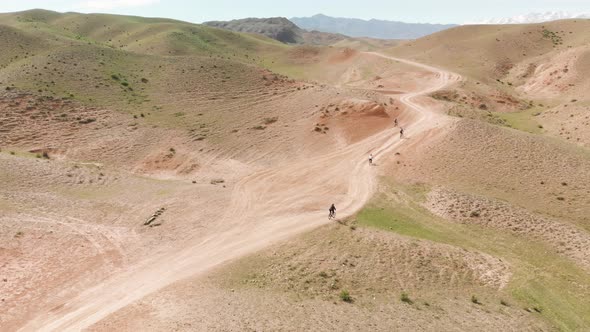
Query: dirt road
[[267, 206]]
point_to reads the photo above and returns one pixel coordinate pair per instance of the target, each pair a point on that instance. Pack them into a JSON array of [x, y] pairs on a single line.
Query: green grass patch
[[524, 121], [541, 278], [345, 296]]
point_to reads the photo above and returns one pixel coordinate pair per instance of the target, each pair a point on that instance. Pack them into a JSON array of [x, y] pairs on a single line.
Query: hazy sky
[[432, 11]]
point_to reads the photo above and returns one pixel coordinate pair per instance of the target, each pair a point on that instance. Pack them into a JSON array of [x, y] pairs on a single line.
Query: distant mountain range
[[534, 18], [372, 28]]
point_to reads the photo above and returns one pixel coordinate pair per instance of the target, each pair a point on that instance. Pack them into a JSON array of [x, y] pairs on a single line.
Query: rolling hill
[[534, 72]]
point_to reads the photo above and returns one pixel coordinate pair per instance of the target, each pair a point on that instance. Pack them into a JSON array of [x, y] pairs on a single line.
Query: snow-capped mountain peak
[[534, 18]]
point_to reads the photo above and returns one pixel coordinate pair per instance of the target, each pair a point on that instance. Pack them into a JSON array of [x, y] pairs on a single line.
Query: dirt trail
[[267, 206]]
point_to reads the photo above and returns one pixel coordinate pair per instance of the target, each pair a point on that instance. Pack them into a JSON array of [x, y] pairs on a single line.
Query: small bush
[[87, 121], [217, 181], [144, 80], [475, 300], [172, 150], [45, 155], [268, 121], [259, 127], [115, 77], [323, 274], [504, 303], [345, 296], [406, 298], [124, 84]]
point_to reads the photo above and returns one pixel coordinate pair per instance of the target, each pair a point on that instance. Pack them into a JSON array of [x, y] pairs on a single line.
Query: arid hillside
[[529, 77], [159, 175]]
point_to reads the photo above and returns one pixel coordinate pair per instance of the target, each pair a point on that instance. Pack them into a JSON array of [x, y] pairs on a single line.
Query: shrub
[[259, 127], [115, 77], [475, 300], [504, 303], [268, 121], [345, 296], [87, 121], [144, 80], [323, 274], [45, 155], [406, 298]]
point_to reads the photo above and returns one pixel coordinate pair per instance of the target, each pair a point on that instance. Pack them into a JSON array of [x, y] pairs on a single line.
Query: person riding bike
[[332, 212]]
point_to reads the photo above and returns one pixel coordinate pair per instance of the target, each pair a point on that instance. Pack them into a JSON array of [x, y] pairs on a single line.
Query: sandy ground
[[266, 206]]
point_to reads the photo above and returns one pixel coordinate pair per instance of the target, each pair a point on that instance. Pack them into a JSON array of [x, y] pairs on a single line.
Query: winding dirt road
[[267, 206]]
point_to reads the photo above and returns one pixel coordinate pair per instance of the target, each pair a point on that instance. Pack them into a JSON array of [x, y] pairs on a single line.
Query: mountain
[[278, 28], [535, 18], [372, 28]]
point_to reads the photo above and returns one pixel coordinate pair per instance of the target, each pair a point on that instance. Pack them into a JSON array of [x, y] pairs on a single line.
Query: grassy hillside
[[145, 35], [118, 61]]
